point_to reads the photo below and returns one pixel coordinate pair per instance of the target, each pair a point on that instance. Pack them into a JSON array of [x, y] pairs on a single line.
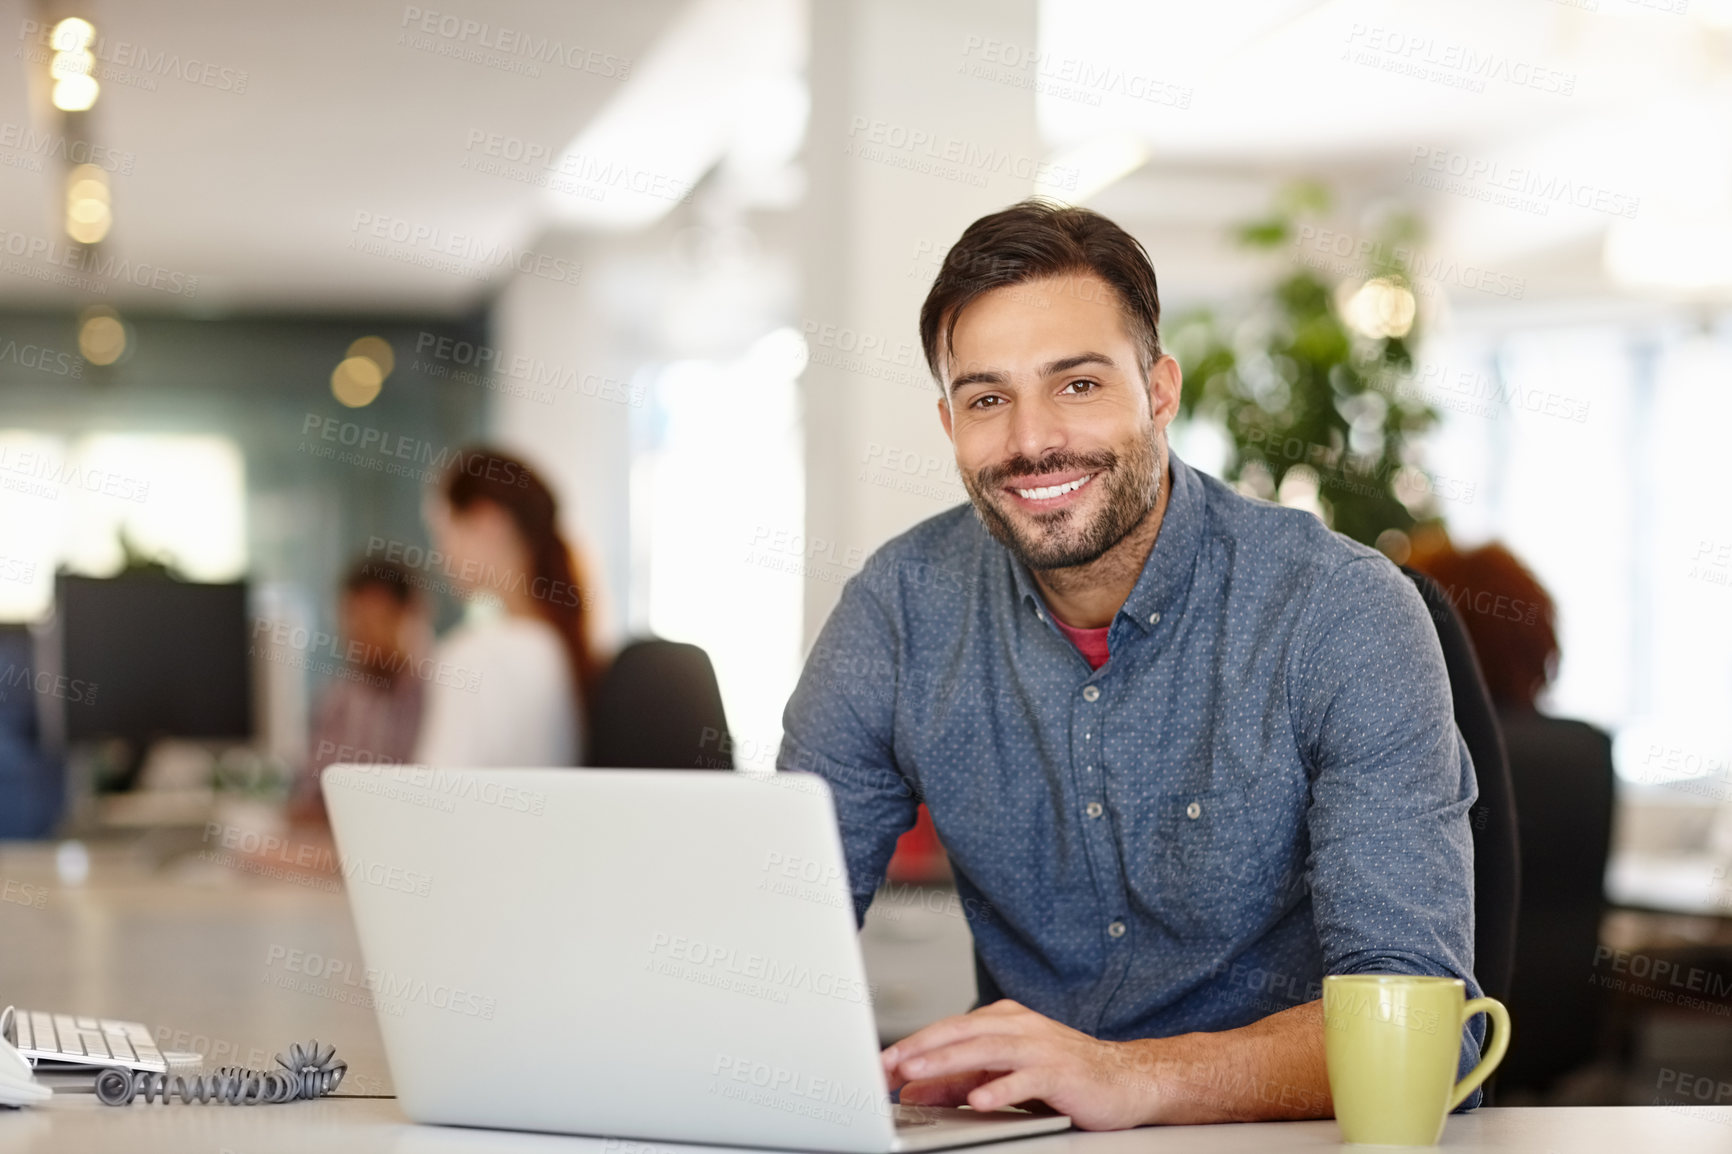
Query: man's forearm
[[1270, 1070]]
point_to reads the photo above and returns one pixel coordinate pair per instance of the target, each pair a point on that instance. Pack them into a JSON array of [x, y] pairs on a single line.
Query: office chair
[[658, 707], [1496, 853], [1564, 783]]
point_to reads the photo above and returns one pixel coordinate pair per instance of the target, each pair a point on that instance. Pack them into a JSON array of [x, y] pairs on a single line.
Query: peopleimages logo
[[259, 845], [443, 785], [528, 48], [777, 1087], [383, 984], [118, 60], [97, 270], [285, 636], [463, 254], [45, 684], [745, 972], [21, 138]]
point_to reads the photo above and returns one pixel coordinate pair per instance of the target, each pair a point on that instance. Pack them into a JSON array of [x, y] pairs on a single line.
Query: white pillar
[[563, 397], [907, 146]]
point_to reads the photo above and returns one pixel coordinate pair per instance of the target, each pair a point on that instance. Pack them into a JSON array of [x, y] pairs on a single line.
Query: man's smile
[[1051, 491]]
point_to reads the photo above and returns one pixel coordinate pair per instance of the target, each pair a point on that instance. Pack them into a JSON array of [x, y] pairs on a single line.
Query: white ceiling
[[257, 193], [1628, 101]]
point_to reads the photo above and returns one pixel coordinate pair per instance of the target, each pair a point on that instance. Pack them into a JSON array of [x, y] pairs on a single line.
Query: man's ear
[[1165, 382], [944, 418]]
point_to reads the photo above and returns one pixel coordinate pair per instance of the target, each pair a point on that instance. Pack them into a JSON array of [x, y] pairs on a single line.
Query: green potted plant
[[1311, 379]]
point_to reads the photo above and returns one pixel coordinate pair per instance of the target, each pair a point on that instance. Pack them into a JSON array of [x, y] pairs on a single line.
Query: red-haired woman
[[508, 686]]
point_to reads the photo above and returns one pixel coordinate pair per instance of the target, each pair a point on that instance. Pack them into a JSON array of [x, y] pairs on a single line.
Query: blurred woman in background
[[508, 686]]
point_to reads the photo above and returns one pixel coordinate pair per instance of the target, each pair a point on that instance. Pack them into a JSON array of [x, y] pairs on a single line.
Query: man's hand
[[1006, 1054]]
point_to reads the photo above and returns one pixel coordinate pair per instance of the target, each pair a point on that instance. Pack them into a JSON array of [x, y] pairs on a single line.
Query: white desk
[[357, 1125], [191, 951]]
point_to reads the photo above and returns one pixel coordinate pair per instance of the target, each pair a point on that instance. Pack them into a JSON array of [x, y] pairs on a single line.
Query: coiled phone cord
[[308, 1071]]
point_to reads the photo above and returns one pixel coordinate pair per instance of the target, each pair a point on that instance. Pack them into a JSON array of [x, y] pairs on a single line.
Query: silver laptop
[[656, 955]]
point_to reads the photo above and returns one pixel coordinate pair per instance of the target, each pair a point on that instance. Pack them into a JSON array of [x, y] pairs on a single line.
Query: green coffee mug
[[1392, 1042]]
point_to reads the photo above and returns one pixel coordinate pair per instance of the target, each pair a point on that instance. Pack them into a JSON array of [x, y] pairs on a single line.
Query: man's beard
[[1041, 541]]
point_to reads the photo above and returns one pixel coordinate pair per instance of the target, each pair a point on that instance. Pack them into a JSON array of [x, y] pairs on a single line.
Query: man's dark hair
[[385, 575], [1034, 240]]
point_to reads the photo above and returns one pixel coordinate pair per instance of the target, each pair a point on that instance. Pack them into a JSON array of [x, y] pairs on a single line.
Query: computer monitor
[[165, 658]]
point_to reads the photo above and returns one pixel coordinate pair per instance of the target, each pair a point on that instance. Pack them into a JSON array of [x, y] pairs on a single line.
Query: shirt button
[[1116, 930], [1091, 693], [1093, 809], [1154, 619], [1193, 811]]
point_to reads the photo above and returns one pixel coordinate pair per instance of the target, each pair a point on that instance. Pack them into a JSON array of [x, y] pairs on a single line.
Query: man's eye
[[1082, 385], [982, 402]]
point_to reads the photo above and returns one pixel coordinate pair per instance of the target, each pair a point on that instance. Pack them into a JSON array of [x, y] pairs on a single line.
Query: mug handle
[[1493, 1009]]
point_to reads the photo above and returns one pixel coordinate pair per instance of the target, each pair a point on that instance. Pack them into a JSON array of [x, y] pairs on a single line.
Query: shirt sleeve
[[1391, 855], [839, 725]]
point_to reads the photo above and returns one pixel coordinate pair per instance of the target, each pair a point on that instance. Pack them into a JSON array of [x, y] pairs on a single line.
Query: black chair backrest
[[658, 707], [1496, 857], [1565, 793]]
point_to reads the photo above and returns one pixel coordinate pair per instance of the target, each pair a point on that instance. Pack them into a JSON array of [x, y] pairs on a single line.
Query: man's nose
[[1035, 429]]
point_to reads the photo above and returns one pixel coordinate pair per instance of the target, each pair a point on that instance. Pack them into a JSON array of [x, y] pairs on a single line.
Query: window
[[718, 513], [71, 501]]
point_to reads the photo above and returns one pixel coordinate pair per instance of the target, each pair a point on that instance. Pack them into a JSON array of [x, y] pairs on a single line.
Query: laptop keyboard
[[45, 1037]]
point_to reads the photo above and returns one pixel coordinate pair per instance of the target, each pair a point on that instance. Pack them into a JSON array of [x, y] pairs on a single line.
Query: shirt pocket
[[1223, 863]]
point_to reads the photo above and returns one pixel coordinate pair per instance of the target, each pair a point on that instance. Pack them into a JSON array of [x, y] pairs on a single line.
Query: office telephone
[[128, 1066]]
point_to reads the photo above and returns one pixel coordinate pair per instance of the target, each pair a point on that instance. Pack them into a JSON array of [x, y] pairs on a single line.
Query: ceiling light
[[87, 182], [72, 35], [75, 93], [88, 216], [101, 337], [88, 221], [87, 189], [1381, 308], [356, 381], [377, 350]]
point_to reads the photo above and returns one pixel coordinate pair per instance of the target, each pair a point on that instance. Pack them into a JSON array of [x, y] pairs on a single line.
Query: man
[[372, 710], [1188, 752]]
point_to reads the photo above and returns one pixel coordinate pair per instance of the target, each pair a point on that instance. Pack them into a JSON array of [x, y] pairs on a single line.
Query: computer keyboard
[[78, 1041]]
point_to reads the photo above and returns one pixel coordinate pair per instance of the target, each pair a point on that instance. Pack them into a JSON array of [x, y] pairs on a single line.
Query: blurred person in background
[[507, 686], [372, 711], [1561, 771]]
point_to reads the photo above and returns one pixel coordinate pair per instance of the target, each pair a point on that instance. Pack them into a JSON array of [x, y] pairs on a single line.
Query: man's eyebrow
[[1050, 369], [1066, 364], [983, 377]]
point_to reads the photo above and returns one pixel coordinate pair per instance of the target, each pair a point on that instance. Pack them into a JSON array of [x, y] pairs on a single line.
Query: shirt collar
[[1166, 576]]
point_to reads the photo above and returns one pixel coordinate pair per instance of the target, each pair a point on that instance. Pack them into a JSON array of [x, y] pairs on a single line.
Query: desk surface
[[198, 951], [337, 1127]]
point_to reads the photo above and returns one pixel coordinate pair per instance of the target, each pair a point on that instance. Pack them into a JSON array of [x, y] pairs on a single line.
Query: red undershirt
[[1091, 643]]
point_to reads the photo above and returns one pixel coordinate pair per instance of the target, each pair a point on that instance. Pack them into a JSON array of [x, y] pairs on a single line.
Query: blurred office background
[[263, 270]]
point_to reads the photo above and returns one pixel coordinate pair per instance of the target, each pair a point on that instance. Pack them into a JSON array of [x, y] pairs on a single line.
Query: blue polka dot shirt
[[1264, 783]]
